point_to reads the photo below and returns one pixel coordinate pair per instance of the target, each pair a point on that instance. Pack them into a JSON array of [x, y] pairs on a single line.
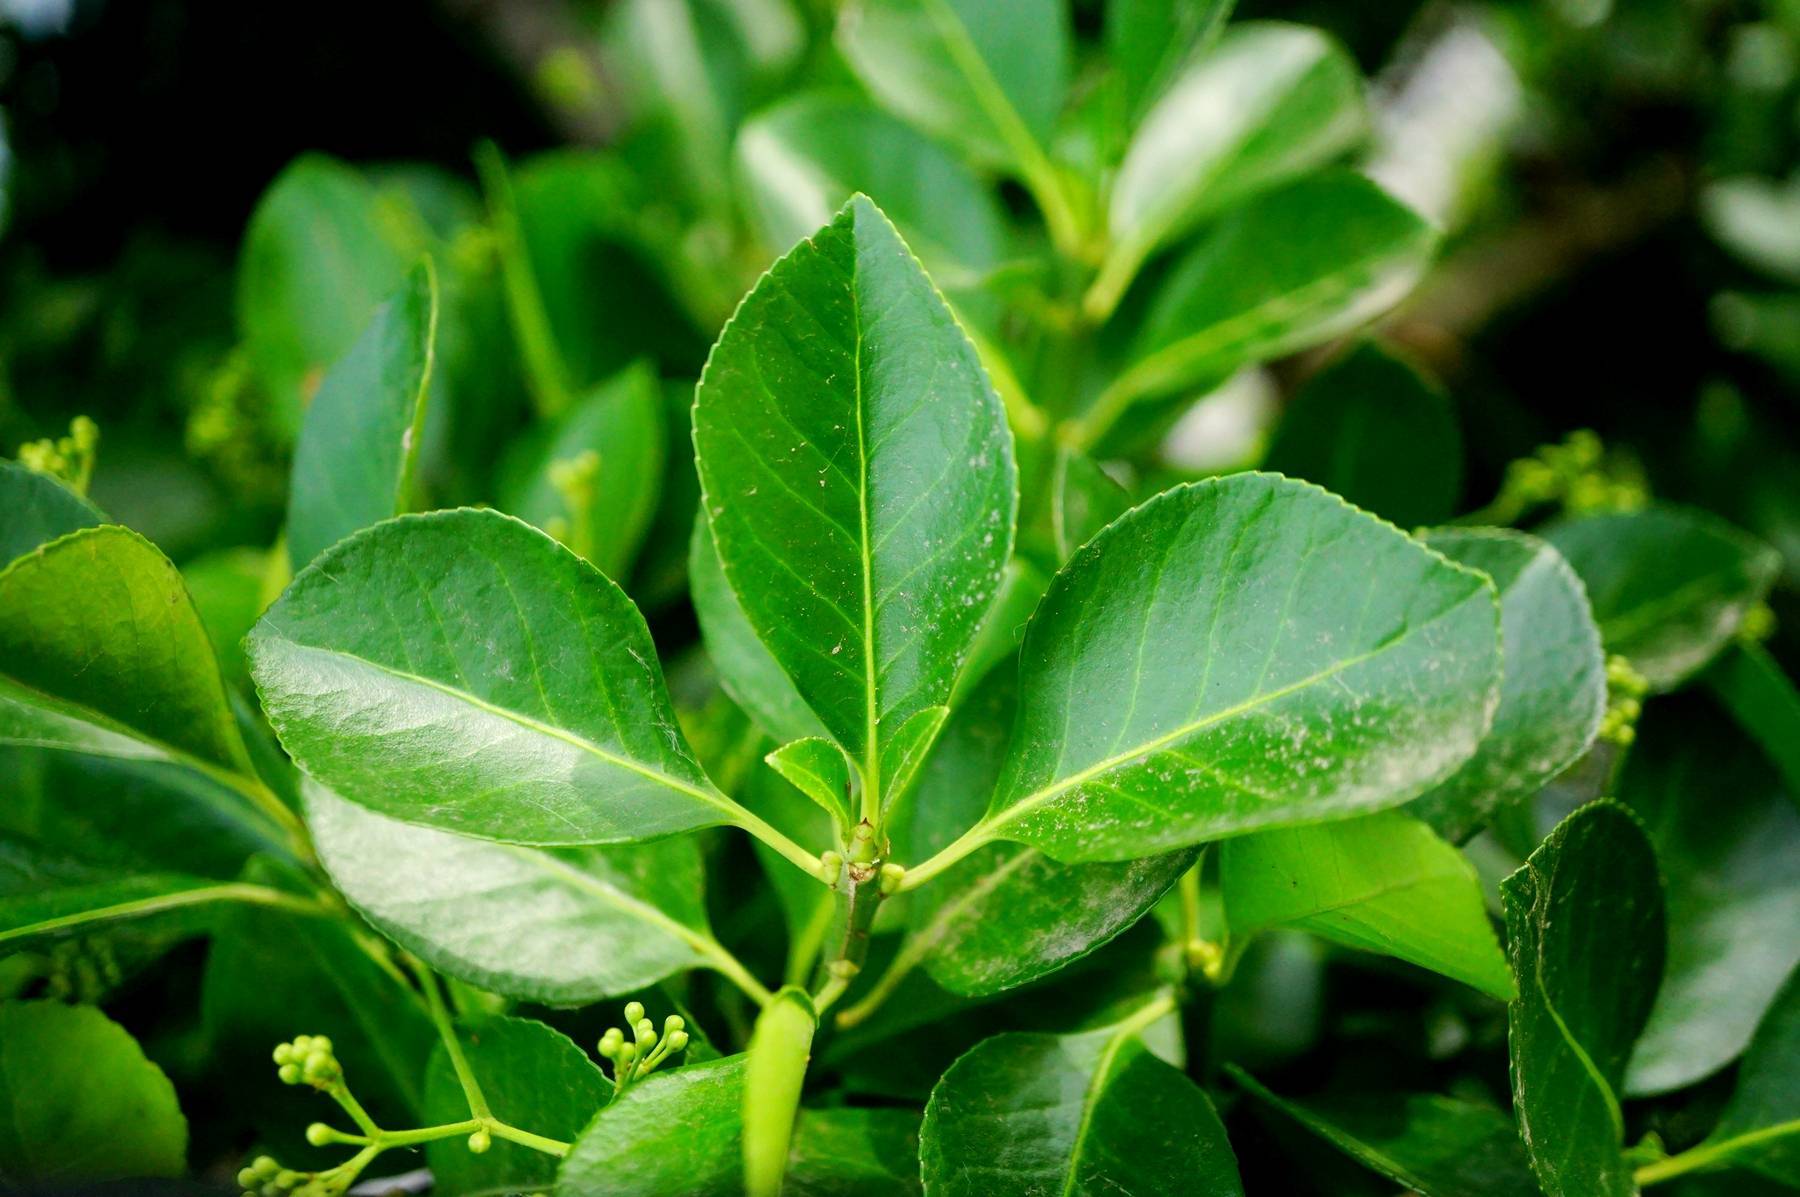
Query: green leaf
[[1764, 701], [800, 160], [604, 504], [79, 1102], [355, 460], [1267, 103], [1235, 655], [1083, 499], [748, 672], [1436, 1146], [1670, 585], [1584, 931], [818, 769], [987, 77], [1760, 1127], [461, 670], [1552, 688], [1147, 41], [38, 510], [1385, 883], [774, 1069], [1373, 429], [533, 1077], [562, 926], [673, 1132], [872, 1153], [230, 587], [101, 652], [1301, 265], [1089, 1113], [858, 474], [323, 248], [1728, 842]]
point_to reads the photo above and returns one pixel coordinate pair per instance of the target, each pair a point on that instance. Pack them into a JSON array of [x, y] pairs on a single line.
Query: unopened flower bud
[[480, 1141], [633, 1012]]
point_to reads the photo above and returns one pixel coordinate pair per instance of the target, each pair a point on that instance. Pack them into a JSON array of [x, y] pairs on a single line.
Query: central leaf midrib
[[871, 749], [711, 797]]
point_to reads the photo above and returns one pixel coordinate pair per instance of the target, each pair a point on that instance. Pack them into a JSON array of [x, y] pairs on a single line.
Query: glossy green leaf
[[562, 926], [858, 475], [323, 248], [1299, 266], [818, 769], [1241, 654], [1728, 843], [1148, 41], [1552, 688], [1669, 585], [79, 1102], [533, 1077], [870, 1152], [674, 1132], [1266, 104], [101, 652], [1765, 702], [1083, 1114], [601, 505], [989, 77], [803, 158], [1760, 1127], [355, 460], [38, 510], [1083, 499], [463, 671], [1435, 1146], [1385, 883], [1584, 930], [774, 1070], [1372, 428]]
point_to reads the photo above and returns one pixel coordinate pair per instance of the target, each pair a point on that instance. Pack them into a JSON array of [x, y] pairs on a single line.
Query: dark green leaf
[[1384, 883], [1373, 429], [533, 1077], [1761, 1123], [230, 588], [1765, 703], [38, 510], [1584, 930], [1553, 684], [1669, 585], [675, 1132], [463, 671], [1147, 41], [1436, 1146], [1084, 1114], [354, 464], [858, 474], [818, 769], [1309, 662], [872, 1153], [79, 1102], [562, 926]]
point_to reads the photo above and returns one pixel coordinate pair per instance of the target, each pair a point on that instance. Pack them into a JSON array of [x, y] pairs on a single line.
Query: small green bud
[[645, 1030], [480, 1141], [634, 1012], [289, 1074], [284, 1053], [321, 1044], [678, 1040], [627, 1052], [247, 1178], [265, 1166], [318, 1134], [674, 1023], [287, 1178]]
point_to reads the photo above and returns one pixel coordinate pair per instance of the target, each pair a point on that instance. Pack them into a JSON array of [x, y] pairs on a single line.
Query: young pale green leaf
[[800, 160], [38, 509], [354, 462], [673, 1132], [461, 670], [1384, 883], [101, 652], [79, 1102], [1760, 1127], [1299, 266], [1728, 842], [1552, 688], [1435, 1146], [1083, 499], [1148, 41], [563, 926], [989, 78], [774, 1070], [1670, 585], [858, 475], [1266, 104], [533, 1077], [322, 250], [869, 1152], [1764, 701], [593, 478], [1584, 931], [1083, 1114], [818, 769], [1241, 654], [1372, 428]]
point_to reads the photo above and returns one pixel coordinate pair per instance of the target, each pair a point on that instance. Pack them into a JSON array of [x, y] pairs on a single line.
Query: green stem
[[230, 891], [721, 961], [975, 837], [1708, 1155], [524, 1138], [259, 795], [544, 368], [440, 1018], [912, 953], [428, 1134], [801, 859]]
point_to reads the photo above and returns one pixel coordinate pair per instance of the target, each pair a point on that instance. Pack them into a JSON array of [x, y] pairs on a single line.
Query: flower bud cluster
[[1625, 690], [308, 1060], [637, 1057]]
